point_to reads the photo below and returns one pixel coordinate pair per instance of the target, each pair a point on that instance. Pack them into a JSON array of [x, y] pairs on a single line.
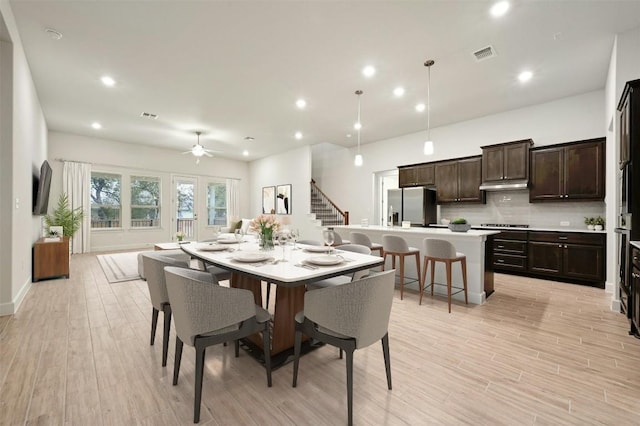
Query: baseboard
[[609, 287], [615, 305], [142, 246], [12, 307]]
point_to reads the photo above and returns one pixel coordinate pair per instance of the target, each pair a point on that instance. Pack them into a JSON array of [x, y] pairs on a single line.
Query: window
[[145, 202], [105, 200], [216, 203]]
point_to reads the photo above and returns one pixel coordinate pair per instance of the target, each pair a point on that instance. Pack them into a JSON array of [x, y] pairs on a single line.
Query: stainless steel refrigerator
[[417, 205]]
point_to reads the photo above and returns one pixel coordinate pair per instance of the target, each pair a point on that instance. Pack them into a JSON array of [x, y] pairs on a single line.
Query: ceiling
[[235, 69]]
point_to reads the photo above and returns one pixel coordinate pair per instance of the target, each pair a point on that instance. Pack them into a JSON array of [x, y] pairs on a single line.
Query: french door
[[184, 207]]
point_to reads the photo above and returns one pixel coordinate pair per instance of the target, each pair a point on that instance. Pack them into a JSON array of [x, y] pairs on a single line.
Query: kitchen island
[[472, 243]]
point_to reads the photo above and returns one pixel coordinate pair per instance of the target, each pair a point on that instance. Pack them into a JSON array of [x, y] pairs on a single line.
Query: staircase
[[325, 211]]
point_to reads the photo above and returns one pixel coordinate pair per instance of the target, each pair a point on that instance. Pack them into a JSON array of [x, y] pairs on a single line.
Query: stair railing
[[341, 217]]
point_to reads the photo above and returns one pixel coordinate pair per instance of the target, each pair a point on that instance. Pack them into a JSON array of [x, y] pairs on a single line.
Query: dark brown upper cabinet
[[568, 172], [506, 162], [417, 175], [458, 181]]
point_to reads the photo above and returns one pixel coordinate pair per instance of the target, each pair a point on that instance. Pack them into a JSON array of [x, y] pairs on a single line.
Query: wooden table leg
[[289, 301]]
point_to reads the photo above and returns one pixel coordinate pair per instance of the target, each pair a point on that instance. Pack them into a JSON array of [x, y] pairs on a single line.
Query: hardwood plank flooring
[[537, 353]]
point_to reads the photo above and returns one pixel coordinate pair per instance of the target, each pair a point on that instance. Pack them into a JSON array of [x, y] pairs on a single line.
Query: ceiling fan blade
[[186, 152], [208, 154]]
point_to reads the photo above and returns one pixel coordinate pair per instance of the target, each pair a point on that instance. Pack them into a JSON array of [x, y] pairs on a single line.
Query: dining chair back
[[208, 314], [154, 263], [351, 316]]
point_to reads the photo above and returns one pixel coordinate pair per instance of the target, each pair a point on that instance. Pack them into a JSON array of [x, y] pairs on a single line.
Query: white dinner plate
[[325, 260], [317, 249], [212, 247], [250, 256], [227, 241]]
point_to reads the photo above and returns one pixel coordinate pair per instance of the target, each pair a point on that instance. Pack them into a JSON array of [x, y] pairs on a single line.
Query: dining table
[[290, 269]]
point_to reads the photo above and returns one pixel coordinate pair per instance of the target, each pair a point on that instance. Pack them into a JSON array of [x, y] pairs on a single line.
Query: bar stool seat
[[363, 239], [443, 251], [397, 246]]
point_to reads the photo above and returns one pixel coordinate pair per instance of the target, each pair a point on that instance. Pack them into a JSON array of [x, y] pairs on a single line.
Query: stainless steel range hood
[[511, 185]]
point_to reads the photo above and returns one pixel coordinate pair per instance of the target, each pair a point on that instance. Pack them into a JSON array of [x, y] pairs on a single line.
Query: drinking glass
[[328, 238], [295, 234], [239, 236], [282, 240]]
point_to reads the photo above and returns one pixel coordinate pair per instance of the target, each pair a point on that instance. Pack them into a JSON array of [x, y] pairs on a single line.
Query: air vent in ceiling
[[485, 53], [149, 115]]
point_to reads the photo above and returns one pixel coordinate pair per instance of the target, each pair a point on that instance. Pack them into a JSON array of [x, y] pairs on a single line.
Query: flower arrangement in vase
[[180, 235], [265, 225], [598, 223], [590, 222]]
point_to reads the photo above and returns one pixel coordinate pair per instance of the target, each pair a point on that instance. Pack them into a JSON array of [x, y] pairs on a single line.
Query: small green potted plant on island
[[459, 225], [598, 223], [590, 222]]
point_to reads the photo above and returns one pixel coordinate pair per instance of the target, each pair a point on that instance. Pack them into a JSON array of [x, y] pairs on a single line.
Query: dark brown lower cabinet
[[575, 257], [635, 292]]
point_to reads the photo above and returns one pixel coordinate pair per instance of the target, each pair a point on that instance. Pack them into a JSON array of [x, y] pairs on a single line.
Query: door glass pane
[[186, 208]]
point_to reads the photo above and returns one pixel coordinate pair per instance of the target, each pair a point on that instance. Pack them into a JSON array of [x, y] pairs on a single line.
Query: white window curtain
[[233, 200], [76, 183]]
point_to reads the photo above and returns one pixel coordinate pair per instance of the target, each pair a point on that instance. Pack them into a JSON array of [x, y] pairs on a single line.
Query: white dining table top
[[298, 269]]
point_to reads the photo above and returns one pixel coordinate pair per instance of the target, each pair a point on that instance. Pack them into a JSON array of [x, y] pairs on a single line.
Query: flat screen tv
[[41, 187]]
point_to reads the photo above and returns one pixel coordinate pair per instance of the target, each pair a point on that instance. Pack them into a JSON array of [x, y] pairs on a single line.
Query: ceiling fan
[[199, 150]]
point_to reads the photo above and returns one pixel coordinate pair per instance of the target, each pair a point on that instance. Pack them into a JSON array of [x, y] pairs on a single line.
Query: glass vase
[[266, 240]]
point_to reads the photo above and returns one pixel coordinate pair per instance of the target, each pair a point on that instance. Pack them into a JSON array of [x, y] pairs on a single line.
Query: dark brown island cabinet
[[458, 181], [568, 172], [50, 259], [506, 162], [571, 256], [416, 175]]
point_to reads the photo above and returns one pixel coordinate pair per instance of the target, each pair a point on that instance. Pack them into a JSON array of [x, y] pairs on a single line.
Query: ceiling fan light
[[198, 150], [428, 148], [358, 161]]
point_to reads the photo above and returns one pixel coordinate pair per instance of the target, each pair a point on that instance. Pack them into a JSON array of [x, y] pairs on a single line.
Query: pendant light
[[428, 144], [358, 160]]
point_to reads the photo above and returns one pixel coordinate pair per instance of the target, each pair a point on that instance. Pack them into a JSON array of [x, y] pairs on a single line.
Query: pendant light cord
[[359, 92], [429, 102]]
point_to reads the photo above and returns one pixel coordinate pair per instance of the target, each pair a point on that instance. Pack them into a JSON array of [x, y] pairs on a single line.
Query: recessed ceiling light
[[96, 125], [298, 135], [249, 138], [108, 81], [301, 103], [368, 71], [53, 34], [499, 9], [525, 76], [420, 107], [245, 153], [398, 91]]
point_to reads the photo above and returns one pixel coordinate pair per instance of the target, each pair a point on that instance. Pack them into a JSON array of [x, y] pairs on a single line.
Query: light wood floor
[[537, 353]]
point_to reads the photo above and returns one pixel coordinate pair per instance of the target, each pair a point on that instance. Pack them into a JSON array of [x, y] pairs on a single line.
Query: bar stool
[[363, 239], [397, 246], [443, 251]]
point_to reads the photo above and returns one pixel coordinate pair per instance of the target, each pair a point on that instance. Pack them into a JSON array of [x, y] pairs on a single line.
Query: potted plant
[[590, 222], [598, 223], [63, 215], [459, 225]]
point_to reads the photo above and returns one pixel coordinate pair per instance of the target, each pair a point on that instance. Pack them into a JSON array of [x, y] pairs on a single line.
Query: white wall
[[293, 167], [24, 142], [129, 159]]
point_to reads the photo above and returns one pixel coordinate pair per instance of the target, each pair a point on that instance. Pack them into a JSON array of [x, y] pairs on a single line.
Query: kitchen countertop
[[532, 228]]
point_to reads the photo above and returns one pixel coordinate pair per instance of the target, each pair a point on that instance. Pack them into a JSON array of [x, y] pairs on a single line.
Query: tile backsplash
[[513, 207]]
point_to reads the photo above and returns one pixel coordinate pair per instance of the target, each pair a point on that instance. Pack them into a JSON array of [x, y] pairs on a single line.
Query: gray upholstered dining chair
[[343, 279], [207, 314], [154, 263], [350, 316], [363, 239], [310, 242]]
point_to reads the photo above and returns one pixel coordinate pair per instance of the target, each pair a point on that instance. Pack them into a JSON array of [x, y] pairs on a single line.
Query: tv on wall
[[41, 187]]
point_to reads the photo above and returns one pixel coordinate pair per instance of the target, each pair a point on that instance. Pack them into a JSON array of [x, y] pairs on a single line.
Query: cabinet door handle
[[503, 247], [563, 238], [559, 245], [565, 246], [500, 260]]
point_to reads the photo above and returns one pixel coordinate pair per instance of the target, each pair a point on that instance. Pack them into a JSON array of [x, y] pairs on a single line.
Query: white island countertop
[[472, 243]]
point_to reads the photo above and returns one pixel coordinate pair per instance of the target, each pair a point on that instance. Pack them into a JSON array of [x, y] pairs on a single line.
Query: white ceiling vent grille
[[485, 53], [149, 115]]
